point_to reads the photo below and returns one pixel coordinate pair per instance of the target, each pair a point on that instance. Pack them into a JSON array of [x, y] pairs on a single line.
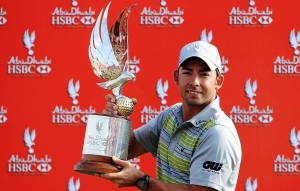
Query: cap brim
[[206, 60]]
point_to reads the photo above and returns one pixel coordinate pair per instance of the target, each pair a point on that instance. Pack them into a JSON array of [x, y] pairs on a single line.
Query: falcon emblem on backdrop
[[29, 139], [251, 186], [28, 41], [73, 186], [295, 41], [161, 90], [295, 140], [73, 90], [250, 90]]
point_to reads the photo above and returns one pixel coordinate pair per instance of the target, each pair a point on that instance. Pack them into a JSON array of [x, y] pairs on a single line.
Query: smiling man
[[196, 144]]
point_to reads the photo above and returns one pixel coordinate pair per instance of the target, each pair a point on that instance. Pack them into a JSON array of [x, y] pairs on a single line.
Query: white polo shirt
[[204, 151]]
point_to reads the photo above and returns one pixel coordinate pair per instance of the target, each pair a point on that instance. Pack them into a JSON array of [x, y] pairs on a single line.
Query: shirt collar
[[206, 113]]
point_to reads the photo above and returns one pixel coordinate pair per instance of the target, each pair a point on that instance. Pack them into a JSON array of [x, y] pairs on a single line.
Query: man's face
[[198, 84]]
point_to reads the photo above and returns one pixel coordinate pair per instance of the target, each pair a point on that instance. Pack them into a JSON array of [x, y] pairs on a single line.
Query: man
[[195, 143]]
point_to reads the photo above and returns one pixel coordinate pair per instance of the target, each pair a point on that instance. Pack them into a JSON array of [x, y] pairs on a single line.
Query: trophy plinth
[[91, 165], [105, 136]]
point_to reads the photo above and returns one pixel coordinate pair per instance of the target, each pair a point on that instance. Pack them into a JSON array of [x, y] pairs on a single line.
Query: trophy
[[107, 135]]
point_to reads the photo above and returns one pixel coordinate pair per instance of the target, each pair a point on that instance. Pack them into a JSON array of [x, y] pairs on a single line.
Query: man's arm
[[129, 175], [134, 149]]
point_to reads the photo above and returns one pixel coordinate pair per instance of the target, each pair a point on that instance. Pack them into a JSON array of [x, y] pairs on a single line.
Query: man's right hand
[[111, 106]]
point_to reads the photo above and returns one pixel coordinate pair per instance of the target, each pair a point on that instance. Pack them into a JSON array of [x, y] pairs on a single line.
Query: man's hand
[[127, 177], [111, 106]]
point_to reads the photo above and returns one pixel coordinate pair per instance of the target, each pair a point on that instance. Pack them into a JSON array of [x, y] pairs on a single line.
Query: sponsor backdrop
[[48, 87]]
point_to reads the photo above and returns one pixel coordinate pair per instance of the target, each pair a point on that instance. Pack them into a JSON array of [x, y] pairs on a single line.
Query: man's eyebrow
[[189, 69], [186, 68]]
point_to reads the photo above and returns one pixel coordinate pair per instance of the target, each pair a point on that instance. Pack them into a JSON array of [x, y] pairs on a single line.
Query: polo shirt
[[204, 150]]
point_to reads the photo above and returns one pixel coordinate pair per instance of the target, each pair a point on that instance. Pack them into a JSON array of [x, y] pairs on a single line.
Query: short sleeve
[[148, 134], [216, 158]]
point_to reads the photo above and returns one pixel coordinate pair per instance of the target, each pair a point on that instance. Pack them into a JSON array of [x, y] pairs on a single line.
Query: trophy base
[[91, 164]]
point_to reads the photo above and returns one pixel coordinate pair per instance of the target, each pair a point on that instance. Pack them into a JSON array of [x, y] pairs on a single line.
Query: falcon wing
[[248, 88], [32, 37], [293, 40], [77, 86], [248, 186], [77, 184], [293, 138], [26, 40], [32, 135], [101, 52], [166, 86], [298, 36], [254, 86], [71, 89], [203, 36], [254, 185], [71, 186], [159, 89], [27, 139], [119, 38]]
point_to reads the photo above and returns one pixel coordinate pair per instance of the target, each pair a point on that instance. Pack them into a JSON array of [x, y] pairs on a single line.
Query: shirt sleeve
[[215, 158], [148, 134]]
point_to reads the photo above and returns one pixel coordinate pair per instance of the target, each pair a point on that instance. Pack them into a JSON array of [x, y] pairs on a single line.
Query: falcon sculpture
[[108, 53]]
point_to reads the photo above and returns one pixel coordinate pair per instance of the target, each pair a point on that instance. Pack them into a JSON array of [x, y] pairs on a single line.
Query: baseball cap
[[201, 49]]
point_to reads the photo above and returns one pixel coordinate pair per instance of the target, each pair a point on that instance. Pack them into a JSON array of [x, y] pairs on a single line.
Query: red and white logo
[[286, 164], [30, 66], [163, 17], [252, 115], [284, 66], [75, 116], [73, 17], [251, 17], [31, 163]]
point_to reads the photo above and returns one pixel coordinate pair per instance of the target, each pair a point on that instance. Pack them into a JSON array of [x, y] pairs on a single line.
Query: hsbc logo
[[285, 164], [3, 118], [134, 65], [3, 20], [31, 163], [253, 115], [76, 116], [30, 66], [207, 37], [212, 166], [289, 66], [162, 17], [252, 17], [75, 17], [149, 112]]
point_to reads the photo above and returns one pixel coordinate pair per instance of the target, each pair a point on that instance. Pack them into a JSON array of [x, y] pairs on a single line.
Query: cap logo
[[197, 47]]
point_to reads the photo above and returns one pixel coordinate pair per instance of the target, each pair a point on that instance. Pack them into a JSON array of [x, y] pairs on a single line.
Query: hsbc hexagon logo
[[43, 69], [87, 20], [265, 118], [44, 167], [265, 20], [2, 20], [176, 20]]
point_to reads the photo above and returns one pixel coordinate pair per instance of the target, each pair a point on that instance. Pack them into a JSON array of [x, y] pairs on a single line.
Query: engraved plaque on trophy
[[105, 135]]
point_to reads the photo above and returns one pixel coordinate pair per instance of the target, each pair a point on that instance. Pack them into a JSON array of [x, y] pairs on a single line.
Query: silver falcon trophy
[[106, 135]]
